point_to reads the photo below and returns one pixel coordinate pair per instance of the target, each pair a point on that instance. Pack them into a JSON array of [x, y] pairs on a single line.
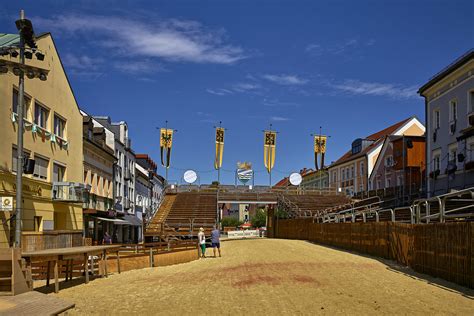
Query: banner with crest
[[166, 142], [319, 148], [269, 150], [219, 147]]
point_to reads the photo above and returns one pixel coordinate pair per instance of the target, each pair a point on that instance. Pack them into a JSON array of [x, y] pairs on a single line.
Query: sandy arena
[[271, 277]]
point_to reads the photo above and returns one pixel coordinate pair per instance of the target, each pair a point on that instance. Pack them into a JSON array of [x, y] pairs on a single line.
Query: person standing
[[215, 239], [107, 240], [202, 242]]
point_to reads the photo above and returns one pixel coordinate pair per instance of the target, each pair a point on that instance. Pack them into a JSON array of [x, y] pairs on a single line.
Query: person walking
[[202, 242], [215, 239]]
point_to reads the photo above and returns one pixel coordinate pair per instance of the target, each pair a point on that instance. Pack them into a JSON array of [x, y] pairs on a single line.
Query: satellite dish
[[295, 178], [190, 176]]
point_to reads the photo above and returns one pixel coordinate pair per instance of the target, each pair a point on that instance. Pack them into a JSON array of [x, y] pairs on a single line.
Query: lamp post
[[27, 38]]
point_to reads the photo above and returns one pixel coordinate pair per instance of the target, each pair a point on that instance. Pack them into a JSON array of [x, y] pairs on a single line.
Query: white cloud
[[135, 67], [339, 48], [172, 39], [242, 87], [81, 61], [279, 119], [219, 92], [285, 79], [376, 89]]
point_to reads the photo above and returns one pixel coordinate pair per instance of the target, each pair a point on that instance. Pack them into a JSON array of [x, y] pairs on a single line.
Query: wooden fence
[[442, 250], [32, 241]]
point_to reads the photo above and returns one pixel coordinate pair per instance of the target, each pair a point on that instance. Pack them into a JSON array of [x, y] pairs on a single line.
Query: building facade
[[351, 172], [124, 185], [99, 162], [449, 106], [53, 138], [401, 166], [315, 179]]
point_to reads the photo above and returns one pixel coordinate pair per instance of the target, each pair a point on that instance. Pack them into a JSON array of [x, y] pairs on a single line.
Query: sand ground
[[272, 277]]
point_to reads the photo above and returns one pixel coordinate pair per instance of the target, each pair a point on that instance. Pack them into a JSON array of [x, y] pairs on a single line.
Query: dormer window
[[357, 146]]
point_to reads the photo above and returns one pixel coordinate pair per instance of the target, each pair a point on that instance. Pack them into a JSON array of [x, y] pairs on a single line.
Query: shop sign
[[6, 203]]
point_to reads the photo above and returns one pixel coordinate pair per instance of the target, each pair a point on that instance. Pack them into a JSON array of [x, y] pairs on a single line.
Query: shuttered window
[[26, 104], [58, 173], [41, 168], [26, 154]]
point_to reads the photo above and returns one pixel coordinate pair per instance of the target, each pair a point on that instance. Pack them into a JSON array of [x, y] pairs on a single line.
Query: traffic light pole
[[20, 158]]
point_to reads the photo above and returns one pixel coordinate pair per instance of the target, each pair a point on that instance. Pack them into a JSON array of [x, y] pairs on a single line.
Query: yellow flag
[[219, 147], [269, 150], [320, 144], [166, 142]]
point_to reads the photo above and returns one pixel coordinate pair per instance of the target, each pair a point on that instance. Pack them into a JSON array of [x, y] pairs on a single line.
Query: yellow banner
[[320, 144], [269, 150], [166, 142], [219, 147], [166, 138]]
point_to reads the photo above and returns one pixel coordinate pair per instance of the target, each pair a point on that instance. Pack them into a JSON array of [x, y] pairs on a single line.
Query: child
[[202, 242]]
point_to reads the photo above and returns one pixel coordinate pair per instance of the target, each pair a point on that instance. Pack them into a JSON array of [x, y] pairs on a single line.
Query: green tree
[[260, 218], [231, 222]]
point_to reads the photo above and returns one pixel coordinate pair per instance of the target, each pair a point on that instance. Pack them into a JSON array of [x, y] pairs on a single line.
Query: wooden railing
[[31, 241]]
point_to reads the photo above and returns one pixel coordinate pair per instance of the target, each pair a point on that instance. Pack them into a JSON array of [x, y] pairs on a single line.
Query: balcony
[[69, 191]]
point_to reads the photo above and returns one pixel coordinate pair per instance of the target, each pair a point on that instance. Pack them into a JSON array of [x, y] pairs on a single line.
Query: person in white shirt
[[202, 242]]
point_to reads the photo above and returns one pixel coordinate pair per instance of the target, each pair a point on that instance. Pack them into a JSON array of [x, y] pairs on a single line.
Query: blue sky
[[352, 67]]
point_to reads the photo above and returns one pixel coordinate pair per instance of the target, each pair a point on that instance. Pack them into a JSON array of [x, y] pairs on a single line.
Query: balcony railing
[[69, 191]]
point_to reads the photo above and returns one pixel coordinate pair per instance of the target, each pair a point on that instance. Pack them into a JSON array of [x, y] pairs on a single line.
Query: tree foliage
[[231, 222], [260, 218]]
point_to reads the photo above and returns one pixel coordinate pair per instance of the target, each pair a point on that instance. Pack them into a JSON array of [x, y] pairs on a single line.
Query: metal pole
[[19, 164], [403, 173]]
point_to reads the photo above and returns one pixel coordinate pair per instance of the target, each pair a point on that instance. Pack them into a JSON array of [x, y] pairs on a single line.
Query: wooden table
[[82, 253]]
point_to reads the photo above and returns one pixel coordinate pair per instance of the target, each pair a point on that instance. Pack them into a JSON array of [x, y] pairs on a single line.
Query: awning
[[132, 220], [114, 220]]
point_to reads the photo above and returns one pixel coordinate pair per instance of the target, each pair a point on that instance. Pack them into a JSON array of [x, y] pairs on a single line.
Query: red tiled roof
[[376, 137]]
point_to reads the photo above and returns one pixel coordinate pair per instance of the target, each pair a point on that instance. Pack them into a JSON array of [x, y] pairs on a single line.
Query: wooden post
[[118, 261], [105, 264], [86, 267], [56, 275], [151, 257], [48, 273]]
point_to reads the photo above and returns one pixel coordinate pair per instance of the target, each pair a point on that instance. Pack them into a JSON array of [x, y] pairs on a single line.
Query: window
[[41, 116], [26, 107], [41, 168], [343, 176], [453, 110], [59, 125], [58, 172], [362, 170], [352, 171], [26, 154], [389, 161], [388, 182], [436, 162], [334, 176], [436, 119], [471, 102]]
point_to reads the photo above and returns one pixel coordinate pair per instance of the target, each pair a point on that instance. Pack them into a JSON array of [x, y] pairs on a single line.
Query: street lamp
[[27, 38]]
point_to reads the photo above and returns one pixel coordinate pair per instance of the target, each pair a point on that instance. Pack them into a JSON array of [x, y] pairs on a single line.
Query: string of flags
[[44, 134]]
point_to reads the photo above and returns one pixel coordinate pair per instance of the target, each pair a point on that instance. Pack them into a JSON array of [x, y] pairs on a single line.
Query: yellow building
[[52, 137]]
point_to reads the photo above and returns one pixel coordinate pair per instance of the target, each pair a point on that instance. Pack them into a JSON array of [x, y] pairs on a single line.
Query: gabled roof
[[377, 139]]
